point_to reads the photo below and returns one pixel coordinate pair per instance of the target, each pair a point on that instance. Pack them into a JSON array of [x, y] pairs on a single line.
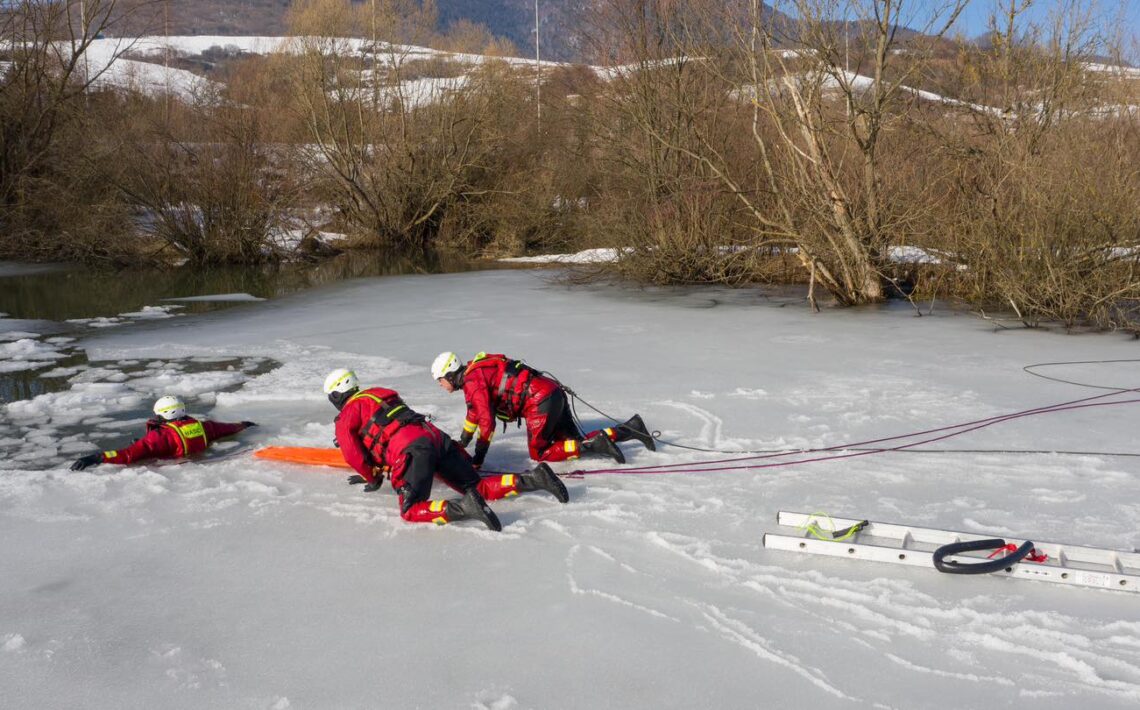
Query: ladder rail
[[924, 558], [1120, 559], [910, 545]]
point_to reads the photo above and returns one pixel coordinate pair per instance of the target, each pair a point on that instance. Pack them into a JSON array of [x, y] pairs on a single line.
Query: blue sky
[[974, 19]]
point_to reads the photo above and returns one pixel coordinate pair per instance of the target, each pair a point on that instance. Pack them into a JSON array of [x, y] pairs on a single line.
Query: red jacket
[[497, 387], [175, 439], [365, 446]]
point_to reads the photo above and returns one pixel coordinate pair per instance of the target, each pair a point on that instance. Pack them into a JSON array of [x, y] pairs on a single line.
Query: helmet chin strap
[[339, 399]]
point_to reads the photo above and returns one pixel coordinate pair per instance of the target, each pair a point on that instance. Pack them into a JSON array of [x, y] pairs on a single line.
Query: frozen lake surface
[[238, 583]]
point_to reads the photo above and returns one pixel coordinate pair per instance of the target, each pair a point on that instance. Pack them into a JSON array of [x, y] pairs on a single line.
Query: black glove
[[465, 438], [368, 487], [88, 460], [480, 453], [248, 424]]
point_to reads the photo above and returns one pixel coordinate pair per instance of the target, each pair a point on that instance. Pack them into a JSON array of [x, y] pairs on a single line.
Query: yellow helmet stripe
[[343, 377]]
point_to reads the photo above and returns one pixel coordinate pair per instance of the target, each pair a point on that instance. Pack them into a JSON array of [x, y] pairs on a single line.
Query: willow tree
[[390, 152], [822, 89]]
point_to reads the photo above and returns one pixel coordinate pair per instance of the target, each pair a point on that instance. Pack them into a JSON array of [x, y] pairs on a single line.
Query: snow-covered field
[[238, 583]]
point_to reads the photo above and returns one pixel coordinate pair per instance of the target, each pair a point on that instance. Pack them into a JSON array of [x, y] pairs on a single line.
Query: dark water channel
[[55, 403], [67, 292], [54, 305]]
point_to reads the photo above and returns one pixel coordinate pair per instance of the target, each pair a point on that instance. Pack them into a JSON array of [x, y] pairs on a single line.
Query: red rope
[[1033, 556], [954, 430]]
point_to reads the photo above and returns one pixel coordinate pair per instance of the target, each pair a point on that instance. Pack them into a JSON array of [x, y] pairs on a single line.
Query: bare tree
[[1045, 216], [815, 179], [45, 122], [391, 153]]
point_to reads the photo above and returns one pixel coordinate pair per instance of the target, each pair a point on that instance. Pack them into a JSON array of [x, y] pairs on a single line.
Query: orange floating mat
[[309, 455]]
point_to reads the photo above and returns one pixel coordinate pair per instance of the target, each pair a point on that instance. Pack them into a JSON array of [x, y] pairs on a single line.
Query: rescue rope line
[[863, 448]]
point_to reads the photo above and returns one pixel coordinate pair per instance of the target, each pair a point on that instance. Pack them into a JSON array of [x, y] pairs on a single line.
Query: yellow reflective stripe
[[180, 436], [470, 426], [609, 432], [110, 454], [193, 430], [437, 506], [570, 446], [450, 361], [171, 408], [507, 480], [393, 411], [343, 377], [372, 397]]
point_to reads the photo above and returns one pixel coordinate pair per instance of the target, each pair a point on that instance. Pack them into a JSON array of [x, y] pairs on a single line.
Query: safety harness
[[391, 415], [514, 383]]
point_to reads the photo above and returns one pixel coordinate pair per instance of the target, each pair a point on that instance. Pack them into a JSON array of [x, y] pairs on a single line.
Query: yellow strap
[[110, 454], [813, 528], [370, 396]]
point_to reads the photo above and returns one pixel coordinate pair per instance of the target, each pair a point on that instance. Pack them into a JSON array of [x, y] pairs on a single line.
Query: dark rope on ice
[[863, 448], [1029, 369]]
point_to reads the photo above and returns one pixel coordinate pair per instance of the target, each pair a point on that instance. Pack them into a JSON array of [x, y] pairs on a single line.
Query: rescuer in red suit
[[377, 433], [496, 387], [170, 435]]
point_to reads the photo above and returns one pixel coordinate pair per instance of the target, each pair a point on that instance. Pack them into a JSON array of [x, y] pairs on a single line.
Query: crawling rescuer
[[377, 432], [496, 387], [171, 434]]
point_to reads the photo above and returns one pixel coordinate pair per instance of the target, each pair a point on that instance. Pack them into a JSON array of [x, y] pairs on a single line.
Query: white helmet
[[170, 407], [444, 365], [341, 381]]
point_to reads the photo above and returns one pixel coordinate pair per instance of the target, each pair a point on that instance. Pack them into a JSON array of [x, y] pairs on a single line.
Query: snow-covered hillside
[[233, 582], [116, 61]]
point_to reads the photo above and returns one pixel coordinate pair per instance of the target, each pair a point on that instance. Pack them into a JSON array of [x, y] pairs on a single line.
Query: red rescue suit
[[378, 433], [173, 439], [498, 388]]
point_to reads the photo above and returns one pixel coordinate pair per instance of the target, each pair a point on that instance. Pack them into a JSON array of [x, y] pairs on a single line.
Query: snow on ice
[[235, 582]]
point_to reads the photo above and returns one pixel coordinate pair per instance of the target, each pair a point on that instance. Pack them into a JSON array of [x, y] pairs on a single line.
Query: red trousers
[[551, 434]]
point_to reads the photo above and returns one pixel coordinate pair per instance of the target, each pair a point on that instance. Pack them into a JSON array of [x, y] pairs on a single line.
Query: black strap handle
[[953, 567]]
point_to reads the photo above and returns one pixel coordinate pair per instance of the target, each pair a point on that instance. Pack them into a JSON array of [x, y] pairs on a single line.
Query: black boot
[[601, 445], [472, 507], [635, 429], [543, 479]]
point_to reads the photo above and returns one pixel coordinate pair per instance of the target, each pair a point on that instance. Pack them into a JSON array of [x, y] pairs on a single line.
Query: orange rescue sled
[[308, 455]]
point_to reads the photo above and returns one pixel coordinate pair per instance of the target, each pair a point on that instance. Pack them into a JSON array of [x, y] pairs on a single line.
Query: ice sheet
[[242, 583]]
